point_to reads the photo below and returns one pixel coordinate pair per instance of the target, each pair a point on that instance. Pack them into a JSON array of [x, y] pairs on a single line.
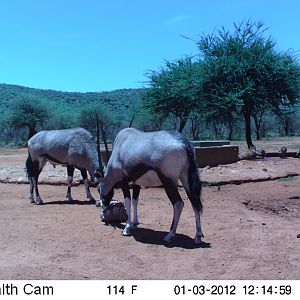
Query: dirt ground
[[253, 227]]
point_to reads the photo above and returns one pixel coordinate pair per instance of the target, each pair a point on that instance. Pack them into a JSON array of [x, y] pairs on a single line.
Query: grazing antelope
[[73, 148], [151, 159]]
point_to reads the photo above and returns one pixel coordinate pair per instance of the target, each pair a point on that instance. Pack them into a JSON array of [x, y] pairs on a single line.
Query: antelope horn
[[98, 145], [105, 144], [131, 121]]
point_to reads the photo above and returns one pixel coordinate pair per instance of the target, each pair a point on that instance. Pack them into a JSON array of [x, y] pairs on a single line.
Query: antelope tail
[[195, 184], [29, 166]]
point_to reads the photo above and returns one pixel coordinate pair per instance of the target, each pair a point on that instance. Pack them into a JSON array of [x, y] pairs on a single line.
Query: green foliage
[[27, 112], [117, 101], [64, 108], [173, 90], [61, 119], [240, 79], [243, 73], [88, 120], [238, 74]]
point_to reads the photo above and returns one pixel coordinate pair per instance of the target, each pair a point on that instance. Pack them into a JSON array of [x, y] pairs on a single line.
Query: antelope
[[73, 148], [149, 159]]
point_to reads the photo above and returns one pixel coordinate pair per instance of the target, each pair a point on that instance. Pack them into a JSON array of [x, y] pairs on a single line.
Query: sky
[[93, 46]]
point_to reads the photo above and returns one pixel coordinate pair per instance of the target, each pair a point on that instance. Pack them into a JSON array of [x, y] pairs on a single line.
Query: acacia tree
[[173, 90], [244, 73], [27, 112]]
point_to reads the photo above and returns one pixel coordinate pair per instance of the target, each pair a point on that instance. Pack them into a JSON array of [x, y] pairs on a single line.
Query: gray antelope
[[151, 159], [73, 148]]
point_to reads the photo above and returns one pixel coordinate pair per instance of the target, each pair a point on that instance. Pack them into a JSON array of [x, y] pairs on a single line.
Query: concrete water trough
[[218, 155], [210, 143], [208, 153], [214, 153]]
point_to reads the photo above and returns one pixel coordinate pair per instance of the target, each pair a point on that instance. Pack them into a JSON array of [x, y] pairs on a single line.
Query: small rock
[[294, 197], [265, 170], [298, 236], [263, 223]]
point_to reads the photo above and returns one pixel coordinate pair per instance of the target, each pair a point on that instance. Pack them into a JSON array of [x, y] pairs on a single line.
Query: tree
[[88, 119], [29, 112], [196, 124], [173, 90], [287, 122], [147, 121], [244, 73], [258, 118]]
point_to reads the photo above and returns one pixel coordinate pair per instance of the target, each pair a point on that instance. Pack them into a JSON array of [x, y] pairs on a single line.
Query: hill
[[118, 101], [64, 109]]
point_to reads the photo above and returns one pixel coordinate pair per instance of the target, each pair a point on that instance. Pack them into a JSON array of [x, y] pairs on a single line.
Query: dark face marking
[[133, 174], [107, 198]]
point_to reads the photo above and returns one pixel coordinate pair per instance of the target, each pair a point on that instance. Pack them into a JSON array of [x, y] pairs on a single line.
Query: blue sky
[[89, 45]]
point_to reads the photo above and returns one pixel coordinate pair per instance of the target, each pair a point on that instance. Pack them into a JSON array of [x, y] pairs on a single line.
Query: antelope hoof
[[31, 199], [126, 231], [39, 201], [197, 240], [70, 199], [135, 224], [99, 203], [92, 200], [169, 237]]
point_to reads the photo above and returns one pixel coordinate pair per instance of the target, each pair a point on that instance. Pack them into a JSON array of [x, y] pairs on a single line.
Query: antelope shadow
[[155, 237], [73, 202]]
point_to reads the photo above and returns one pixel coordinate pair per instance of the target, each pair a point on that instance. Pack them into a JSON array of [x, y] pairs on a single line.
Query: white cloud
[[178, 19]]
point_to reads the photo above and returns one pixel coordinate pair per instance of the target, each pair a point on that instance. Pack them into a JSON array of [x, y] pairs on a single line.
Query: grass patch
[[285, 179]]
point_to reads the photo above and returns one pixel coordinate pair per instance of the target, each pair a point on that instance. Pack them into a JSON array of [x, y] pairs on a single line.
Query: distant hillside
[[118, 101], [64, 110]]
